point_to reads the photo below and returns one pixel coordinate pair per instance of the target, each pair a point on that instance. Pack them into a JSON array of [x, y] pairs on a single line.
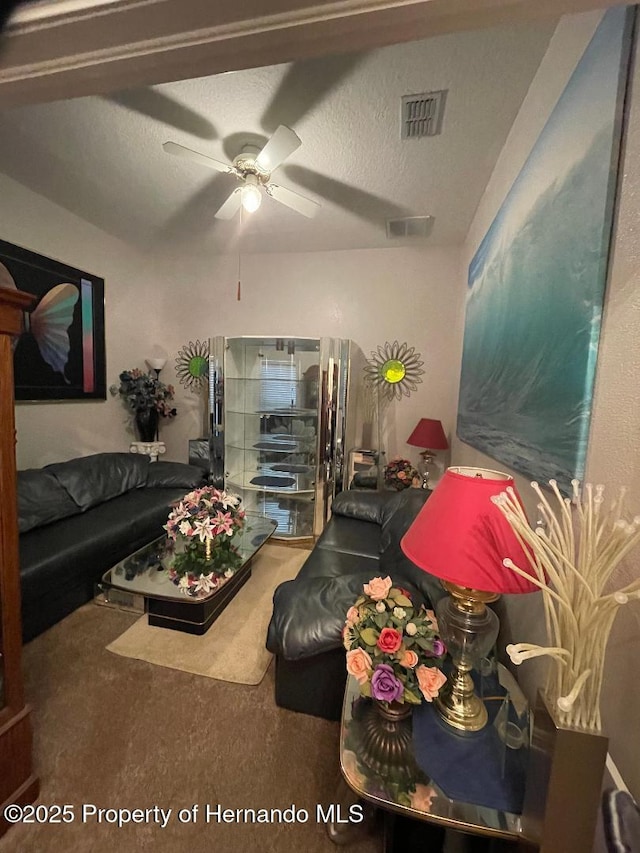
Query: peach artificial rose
[[352, 616], [378, 588], [431, 616], [430, 680], [409, 659], [359, 664]]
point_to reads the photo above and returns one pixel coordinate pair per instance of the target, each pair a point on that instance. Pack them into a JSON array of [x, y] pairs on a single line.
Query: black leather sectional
[[78, 518], [361, 541]]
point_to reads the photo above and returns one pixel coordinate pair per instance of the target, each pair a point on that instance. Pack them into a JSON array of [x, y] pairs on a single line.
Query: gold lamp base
[[469, 629], [459, 706]]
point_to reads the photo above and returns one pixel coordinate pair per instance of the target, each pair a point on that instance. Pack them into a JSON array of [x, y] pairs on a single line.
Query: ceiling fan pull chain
[[239, 292]]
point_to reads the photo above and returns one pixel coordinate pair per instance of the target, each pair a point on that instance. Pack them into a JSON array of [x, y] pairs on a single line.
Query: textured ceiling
[[102, 157]]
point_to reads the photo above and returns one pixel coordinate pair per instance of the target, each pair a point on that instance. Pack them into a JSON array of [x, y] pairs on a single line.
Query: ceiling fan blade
[[231, 206], [164, 108], [305, 86], [300, 203], [202, 159], [283, 143], [372, 208]]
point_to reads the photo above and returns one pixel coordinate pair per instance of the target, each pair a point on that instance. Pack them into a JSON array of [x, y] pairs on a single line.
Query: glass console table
[[141, 582], [411, 793]]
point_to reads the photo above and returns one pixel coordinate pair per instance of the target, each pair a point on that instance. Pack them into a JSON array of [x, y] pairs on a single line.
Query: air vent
[[422, 114], [409, 226]]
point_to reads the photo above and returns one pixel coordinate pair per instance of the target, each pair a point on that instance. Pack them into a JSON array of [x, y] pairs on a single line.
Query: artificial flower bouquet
[[400, 474], [141, 392], [393, 648], [202, 526]]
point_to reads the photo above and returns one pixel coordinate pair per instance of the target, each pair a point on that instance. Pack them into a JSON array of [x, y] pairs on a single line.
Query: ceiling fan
[[253, 168]]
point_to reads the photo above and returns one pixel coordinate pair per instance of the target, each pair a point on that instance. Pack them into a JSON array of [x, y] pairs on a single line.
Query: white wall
[[48, 432], [614, 446], [171, 297], [369, 296]]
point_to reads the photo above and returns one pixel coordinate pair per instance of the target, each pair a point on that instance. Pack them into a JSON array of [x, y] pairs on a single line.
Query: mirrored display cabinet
[[281, 415]]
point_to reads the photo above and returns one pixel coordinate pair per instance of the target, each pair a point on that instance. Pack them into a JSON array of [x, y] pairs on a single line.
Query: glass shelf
[[278, 413], [277, 482], [273, 447]]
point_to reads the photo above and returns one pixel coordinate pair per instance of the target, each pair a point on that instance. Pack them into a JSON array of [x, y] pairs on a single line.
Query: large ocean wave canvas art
[[536, 283]]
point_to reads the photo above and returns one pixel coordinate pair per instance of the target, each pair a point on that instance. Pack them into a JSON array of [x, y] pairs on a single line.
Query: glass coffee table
[[141, 582]]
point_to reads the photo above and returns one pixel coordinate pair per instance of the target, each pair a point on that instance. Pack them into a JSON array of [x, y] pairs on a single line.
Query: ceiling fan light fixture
[[250, 194], [253, 168]]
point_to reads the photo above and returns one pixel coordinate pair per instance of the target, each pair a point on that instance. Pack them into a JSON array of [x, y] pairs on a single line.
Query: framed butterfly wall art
[[60, 354]]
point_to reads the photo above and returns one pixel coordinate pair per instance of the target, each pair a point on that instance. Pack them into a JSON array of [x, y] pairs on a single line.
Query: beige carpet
[[233, 648]]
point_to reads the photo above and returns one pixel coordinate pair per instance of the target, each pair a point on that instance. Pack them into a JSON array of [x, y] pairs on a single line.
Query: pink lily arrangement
[[201, 527]]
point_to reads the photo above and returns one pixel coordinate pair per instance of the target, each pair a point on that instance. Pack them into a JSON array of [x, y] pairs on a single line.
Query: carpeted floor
[[118, 733], [233, 648]]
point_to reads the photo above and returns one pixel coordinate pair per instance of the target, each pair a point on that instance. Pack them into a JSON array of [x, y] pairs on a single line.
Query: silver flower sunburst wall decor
[[394, 370], [192, 365]]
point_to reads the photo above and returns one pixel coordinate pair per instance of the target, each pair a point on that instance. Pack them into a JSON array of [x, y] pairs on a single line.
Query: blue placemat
[[282, 482], [473, 768]]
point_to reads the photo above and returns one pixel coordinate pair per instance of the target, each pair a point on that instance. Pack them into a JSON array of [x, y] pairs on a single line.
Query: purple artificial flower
[[439, 647], [384, 684]]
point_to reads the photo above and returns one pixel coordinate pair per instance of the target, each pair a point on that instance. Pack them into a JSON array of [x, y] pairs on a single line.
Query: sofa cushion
[[85, 546], [41, 499], [398, 516], [170, 475], [92, 480], [309, 615], [400, 569], [324, 563], [350, 536], [367, 506]]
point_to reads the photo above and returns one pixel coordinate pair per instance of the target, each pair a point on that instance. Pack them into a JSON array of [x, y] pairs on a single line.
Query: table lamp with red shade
[[461, 537], [428, 434]]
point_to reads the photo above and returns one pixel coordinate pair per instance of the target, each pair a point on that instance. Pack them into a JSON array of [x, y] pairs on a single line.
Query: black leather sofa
[[361, 541], [78, 518]]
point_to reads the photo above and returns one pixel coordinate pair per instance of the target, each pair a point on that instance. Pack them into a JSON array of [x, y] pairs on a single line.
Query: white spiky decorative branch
[[571, 561]]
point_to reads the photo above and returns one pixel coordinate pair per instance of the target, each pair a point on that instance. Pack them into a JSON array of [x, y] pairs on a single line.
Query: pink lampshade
[[462, 537], [429, 434]]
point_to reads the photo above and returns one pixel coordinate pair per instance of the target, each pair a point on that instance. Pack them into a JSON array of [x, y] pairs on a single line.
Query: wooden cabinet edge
[[17, 781]]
